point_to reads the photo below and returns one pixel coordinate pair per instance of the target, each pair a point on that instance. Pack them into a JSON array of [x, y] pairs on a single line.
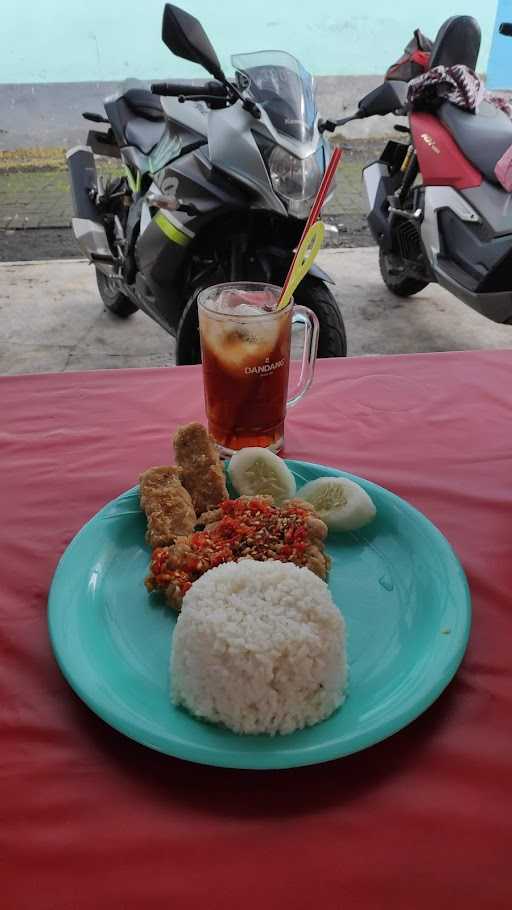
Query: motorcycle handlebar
[[175, 89]]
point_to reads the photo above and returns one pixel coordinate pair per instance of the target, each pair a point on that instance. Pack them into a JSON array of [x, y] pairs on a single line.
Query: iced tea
[[245, 345]]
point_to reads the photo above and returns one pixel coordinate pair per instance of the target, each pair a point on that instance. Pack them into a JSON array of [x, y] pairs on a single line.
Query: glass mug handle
[[305, 317]]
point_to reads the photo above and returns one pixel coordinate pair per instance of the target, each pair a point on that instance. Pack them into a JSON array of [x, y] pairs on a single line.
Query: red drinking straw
[[317, 205], [324, 188]]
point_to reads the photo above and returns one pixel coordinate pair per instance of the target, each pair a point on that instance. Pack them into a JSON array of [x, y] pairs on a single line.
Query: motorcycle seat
[[145, 134], [457, 41], [483, 136]]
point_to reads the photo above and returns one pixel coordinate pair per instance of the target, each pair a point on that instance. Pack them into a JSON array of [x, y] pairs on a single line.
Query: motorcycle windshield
[[282, 87]]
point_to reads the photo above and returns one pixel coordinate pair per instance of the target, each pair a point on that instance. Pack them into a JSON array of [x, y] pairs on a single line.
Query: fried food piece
[[240, 528], [202, 472], [209, 520], [167, 505], [317, 528]]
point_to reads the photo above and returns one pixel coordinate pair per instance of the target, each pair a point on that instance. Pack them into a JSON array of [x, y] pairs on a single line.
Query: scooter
[[436, 208], [220, 178]]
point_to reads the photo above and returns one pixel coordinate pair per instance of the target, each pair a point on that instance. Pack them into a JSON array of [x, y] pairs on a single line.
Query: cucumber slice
[[259, 472], [341, 503]]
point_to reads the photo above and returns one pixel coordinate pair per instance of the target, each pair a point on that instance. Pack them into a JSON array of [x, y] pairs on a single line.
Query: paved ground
[[35, 203], [53, 319]]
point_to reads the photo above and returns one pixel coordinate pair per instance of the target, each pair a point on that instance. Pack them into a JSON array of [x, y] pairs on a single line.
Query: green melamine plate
[[399, 584]]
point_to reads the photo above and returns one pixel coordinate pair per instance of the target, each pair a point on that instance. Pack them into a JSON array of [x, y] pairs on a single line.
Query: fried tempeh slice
[[167, 505], [202, 472]]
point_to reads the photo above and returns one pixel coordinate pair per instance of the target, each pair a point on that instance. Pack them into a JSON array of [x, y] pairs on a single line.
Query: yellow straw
[[302, 262]]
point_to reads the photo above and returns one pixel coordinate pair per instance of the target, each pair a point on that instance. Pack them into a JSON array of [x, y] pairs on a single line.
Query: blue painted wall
[[499, 71], [91, 40]]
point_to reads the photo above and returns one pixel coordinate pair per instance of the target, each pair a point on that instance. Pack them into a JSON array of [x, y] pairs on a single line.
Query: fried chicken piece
[[209, 520], [202, 472], [242, 528], [317, 528], [317, 561], [167, 505]]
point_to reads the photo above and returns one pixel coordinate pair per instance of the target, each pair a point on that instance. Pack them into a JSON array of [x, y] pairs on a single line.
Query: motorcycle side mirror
[[506, 29], [185, 37], [385, 99]]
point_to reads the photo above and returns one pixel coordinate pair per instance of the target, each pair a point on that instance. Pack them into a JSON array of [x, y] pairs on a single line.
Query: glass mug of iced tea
[[245, 347]]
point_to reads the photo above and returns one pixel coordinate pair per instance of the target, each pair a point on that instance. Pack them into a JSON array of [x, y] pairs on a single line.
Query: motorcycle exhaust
[[87, 226]]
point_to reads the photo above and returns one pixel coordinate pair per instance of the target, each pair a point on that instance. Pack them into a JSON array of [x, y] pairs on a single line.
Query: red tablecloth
[[89, 819]]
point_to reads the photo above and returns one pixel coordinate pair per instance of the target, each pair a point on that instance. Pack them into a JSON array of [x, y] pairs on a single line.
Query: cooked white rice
[[260, 648]]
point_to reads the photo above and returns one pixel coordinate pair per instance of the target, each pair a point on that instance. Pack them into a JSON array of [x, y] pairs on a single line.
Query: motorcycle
[[436, 208], [220, 178]]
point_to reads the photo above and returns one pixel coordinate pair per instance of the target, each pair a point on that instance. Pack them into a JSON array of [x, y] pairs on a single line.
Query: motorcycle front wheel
[[311, 293], [396, 278]]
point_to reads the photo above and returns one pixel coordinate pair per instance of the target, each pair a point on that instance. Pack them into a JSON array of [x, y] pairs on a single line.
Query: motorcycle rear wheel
[[395, 277], [114, 301]]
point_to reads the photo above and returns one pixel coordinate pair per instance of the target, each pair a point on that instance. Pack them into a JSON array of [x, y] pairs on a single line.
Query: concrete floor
[[53, 319]]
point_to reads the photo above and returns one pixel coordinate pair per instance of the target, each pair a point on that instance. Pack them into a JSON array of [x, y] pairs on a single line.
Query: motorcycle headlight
[[296, 180]]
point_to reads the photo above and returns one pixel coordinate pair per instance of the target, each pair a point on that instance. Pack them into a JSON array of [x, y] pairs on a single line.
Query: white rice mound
[[260, 648]]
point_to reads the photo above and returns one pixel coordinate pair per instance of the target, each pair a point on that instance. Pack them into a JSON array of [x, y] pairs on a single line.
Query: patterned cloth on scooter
[[457, 84], [479, 122]]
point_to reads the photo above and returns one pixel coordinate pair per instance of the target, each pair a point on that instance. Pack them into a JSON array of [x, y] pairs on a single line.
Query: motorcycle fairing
[[440, 159]]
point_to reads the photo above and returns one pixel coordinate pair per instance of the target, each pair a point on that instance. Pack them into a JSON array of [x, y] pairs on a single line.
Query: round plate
[[398, 582]]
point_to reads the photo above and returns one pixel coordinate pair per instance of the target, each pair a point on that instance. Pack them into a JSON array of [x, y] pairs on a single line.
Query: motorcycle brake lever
[[211, 99]]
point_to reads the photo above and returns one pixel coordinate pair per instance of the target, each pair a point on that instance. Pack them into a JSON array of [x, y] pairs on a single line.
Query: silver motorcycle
[[219, 178]]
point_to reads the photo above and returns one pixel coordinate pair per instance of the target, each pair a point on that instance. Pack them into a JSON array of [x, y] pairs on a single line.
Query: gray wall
[[50, 115]]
